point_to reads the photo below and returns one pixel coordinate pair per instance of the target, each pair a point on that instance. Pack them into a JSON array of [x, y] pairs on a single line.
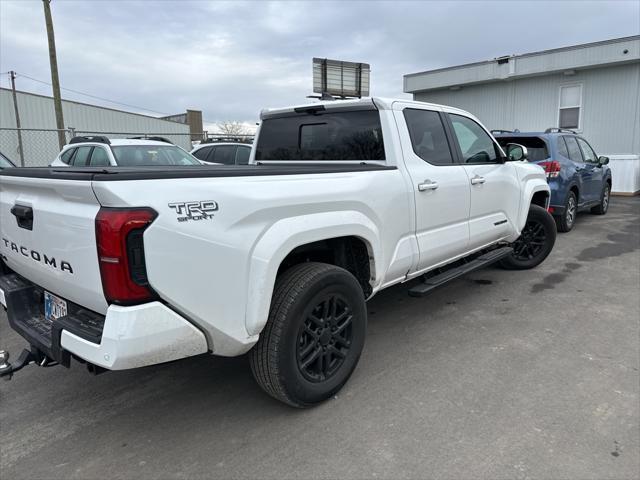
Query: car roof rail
[[90, 138], [559, 130], [226, 139], [499, 130], [151, 137]]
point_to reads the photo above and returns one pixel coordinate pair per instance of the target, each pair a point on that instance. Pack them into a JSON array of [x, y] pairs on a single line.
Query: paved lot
[[497, 375]]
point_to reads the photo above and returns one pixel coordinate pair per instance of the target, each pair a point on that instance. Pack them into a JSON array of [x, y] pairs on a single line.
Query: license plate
[[54, 307]]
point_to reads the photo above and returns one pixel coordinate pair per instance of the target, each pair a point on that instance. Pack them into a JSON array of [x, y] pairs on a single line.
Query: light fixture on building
[[568, 73]]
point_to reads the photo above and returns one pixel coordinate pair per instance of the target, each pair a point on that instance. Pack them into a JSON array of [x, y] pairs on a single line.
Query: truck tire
[[535, 242], [603, 206], [313, 337], [567, 220]]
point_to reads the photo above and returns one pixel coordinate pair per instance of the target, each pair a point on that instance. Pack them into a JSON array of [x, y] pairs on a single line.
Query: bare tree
[[232, 128]]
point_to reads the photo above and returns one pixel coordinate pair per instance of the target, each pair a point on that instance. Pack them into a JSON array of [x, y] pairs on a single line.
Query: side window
[[589, 155], [562, 147], [225, 154], [66, 156], [242, 155], [570, 105], [99, 158], [427, 136], [475, 144], [574, 149], [81, 156], [202, 153]]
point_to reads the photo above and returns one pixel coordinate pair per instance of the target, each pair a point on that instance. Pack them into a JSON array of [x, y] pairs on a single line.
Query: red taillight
[[552, 169], [551, 209], [121, 254]]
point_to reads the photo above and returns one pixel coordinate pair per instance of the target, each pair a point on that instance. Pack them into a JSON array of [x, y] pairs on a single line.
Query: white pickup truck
[[122, 267]]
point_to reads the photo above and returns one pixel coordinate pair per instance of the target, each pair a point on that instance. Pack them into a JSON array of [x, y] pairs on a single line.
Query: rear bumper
[[558, 197], [127, 337]]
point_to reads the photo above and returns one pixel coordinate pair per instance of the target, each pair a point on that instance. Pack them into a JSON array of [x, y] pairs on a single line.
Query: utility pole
[[12, 74], [55, 81]]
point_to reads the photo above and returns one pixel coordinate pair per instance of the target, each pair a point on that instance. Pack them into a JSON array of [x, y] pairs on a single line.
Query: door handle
[[477, 180], [427, 185]]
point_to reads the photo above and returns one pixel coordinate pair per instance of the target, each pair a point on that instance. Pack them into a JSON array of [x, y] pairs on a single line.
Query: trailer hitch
[[26, 357]]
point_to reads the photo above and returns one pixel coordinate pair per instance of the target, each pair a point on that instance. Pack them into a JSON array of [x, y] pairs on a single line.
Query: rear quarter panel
[[220, 272]]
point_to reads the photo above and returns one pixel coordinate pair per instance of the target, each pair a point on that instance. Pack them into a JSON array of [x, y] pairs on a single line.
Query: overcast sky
[[232, 59]]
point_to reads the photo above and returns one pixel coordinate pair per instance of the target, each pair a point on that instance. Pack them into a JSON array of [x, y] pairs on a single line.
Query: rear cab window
[[323, 135], [537, 148]]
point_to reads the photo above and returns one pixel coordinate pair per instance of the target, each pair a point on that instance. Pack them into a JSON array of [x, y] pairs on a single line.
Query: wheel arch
[[534, 191], [313, 237]]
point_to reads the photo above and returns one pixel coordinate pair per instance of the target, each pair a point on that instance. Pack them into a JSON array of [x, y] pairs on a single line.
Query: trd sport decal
[[202, 210]]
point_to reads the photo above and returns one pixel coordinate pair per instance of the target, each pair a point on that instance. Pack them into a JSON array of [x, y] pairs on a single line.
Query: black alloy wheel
[[325, 338], [531, 241], [534, 243]]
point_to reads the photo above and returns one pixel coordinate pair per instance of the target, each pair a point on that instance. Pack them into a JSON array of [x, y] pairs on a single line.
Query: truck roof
[[381, 103]]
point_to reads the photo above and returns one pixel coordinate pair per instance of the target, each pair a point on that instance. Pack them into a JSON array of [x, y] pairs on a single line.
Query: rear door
[[441, 188], [593, 168], [495, 188], [49, 238], [584, 173]]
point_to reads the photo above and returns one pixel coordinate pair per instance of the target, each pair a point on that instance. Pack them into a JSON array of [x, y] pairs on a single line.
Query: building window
[[570, 106]]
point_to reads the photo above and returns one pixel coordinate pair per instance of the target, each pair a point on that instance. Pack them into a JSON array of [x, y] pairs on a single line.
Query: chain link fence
[[41, 146]]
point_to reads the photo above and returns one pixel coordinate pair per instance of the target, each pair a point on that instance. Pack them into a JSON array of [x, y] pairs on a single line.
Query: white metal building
[[592, 88], [40, 140]]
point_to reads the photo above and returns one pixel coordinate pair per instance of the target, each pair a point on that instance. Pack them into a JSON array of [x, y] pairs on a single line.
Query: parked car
[[98, 151], [342, 200], [226, 153], [579, 179], [5, 162]]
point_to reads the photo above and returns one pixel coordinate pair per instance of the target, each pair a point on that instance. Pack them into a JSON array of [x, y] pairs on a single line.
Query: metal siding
[[610, 105], [37, 112], [586, 56]]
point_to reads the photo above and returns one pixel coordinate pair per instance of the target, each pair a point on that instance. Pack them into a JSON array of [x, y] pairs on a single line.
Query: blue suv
[[578, 178]]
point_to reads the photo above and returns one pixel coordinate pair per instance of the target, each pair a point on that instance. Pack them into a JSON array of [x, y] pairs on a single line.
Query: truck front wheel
[[313, 338], [535, 242]]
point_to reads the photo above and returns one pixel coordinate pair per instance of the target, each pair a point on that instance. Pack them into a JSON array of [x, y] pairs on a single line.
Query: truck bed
[[111, 174]]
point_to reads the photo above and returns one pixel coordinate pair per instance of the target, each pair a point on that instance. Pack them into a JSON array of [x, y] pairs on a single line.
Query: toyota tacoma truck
[[125, 267]]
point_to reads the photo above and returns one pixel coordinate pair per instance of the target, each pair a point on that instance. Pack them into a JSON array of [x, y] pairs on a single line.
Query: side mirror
[[516, 152], [603, 160]]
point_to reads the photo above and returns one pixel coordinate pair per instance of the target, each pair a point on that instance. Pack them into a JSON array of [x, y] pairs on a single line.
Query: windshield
[[151, 155], [355, 135], [536, 146]]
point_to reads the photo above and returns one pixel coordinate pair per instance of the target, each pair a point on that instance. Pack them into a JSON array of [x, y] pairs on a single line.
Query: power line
[[95, 96], [100, 98]]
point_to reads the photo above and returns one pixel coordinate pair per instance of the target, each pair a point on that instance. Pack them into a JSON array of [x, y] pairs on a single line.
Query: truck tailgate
[[47, 230]]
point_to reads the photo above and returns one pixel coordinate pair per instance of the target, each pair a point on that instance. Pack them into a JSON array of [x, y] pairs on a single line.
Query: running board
[[455, 272]]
